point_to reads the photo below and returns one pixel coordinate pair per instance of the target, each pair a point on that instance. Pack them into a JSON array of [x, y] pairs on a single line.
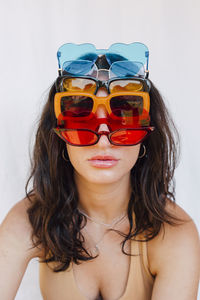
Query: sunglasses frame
[[99, 101], [101, 83], [148, 129]]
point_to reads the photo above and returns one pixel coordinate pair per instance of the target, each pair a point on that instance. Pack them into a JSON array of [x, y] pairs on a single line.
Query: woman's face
[[103, 163]]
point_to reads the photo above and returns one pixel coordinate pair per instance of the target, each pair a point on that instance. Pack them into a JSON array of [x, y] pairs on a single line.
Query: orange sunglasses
[[132, 106]]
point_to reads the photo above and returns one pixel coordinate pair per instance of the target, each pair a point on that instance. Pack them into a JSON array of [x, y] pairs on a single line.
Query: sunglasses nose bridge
[[102, 132], [104, 84], [101, 102], [104, 138]]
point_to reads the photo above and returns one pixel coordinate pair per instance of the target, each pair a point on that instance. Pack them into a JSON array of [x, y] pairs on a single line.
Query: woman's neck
[[103, 202]]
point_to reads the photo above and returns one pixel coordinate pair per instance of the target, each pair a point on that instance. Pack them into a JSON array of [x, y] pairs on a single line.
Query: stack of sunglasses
[[82, 69]]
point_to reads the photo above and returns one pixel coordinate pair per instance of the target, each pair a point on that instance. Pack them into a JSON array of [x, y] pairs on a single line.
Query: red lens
[[128, 136], [76, 106], [78, 137], [126, 105]]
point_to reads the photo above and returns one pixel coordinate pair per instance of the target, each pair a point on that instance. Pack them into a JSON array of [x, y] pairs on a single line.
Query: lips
[[103, 161]]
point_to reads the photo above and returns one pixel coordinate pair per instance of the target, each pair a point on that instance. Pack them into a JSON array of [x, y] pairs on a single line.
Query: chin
[[104, 176]]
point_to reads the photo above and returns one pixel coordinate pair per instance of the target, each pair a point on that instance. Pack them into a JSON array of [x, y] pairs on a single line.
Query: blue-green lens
[[78, 67], [126, 68]]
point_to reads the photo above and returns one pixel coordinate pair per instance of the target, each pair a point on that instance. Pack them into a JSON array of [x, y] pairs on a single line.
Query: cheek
[[76, 155], [78, 159], [130, 156]]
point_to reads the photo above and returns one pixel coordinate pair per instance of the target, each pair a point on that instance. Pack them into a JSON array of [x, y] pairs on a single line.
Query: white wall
[[32, 31]]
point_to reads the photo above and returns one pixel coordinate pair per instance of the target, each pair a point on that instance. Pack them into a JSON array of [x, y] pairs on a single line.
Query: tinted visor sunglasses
[[123, 59]]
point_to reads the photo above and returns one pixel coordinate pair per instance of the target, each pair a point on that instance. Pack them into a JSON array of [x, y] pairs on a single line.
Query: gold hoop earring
[[144, 152], [63, 156]]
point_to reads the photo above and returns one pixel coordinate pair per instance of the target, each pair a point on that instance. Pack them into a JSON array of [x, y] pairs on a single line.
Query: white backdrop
[[31, 32]]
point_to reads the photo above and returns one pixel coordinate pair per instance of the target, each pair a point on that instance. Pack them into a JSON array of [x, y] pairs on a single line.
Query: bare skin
[[177, 274]]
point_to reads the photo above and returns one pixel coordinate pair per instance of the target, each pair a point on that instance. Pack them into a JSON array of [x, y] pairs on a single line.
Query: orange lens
[[79, 85], [126, 85]]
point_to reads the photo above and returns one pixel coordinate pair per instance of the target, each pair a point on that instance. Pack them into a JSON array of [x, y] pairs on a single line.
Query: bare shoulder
[[16, 249], [16, 229], [175, 243]]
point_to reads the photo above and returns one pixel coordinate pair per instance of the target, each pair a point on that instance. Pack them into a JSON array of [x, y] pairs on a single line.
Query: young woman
[[101, 216]]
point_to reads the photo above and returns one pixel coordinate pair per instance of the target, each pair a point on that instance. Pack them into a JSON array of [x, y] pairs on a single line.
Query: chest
[[110, 276], [106, 275]]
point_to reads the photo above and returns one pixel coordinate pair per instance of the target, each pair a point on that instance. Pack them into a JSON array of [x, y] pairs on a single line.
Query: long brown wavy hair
[[56, 222]]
